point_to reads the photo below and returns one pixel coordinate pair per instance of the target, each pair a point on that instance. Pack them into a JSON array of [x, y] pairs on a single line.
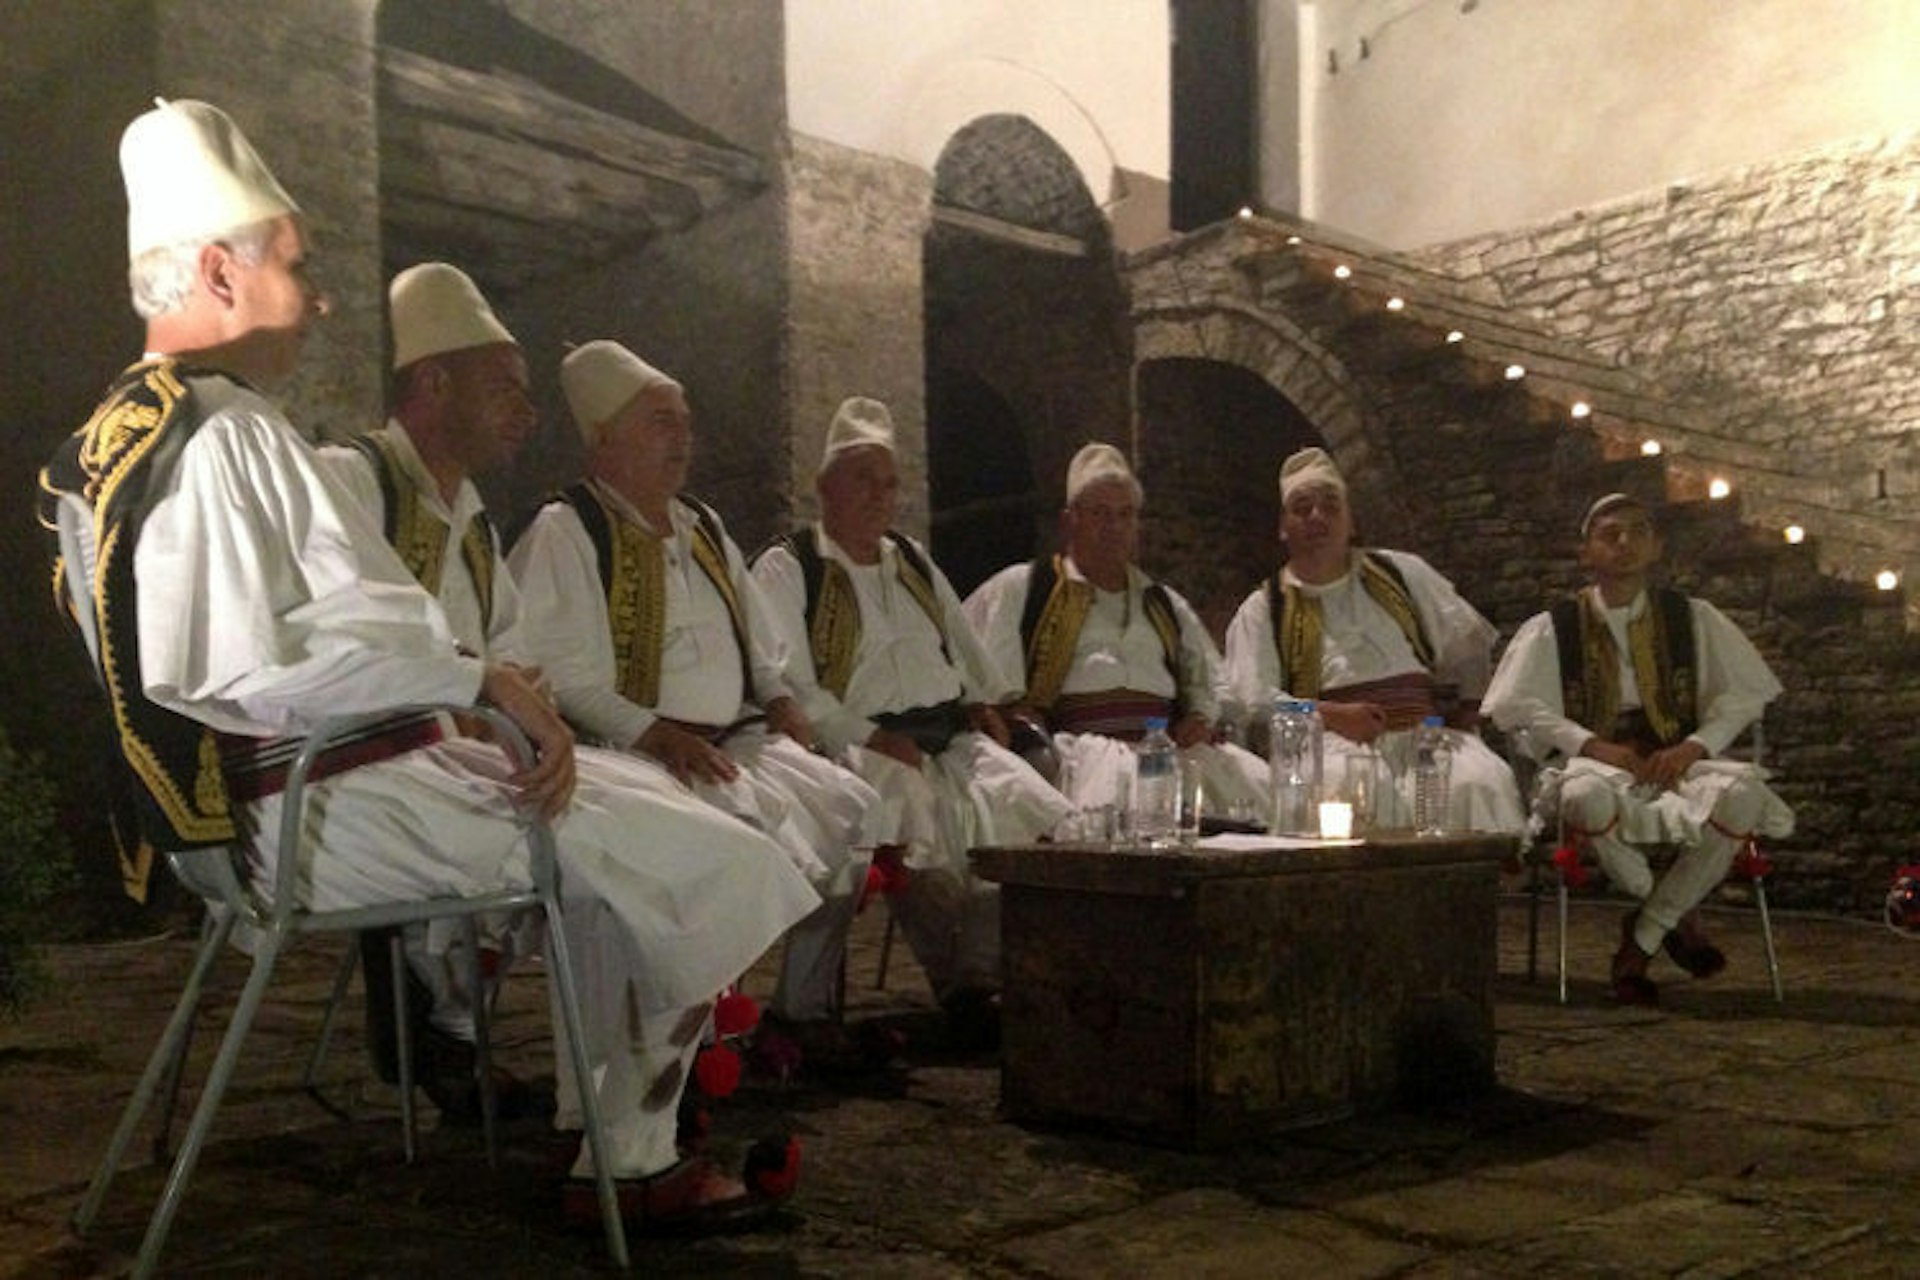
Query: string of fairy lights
[[1718, 487]]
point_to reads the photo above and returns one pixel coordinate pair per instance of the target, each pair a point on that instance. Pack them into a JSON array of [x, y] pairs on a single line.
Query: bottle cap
[[1156, 722], [1433, 722]]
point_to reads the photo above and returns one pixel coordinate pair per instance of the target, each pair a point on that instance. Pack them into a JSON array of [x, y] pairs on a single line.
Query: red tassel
[[1566, 859], [734, 1014], [1572, 870], [1752, 863], [773, 1167], [716, 1070]]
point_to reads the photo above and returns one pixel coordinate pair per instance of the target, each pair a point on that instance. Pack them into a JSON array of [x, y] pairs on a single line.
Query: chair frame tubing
[[274, 922]]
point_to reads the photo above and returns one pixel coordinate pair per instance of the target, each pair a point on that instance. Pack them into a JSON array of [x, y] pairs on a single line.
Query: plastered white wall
[[1474, 115], [898, 78]]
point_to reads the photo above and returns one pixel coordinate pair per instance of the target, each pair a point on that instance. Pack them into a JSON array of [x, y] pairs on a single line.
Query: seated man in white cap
[[897, 686], [1629, 691], [642, 614], [243, 595], [1104, 648], [1380, 640]]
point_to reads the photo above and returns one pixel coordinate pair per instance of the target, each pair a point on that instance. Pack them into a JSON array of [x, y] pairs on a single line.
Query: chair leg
[[886, 953], [1766, 933], [403, 1035], [164, 1061], [561, 964], [482, 1040], [310, 1078], [267, 951], [162, 1146], [1561, 893], [1534, 891]]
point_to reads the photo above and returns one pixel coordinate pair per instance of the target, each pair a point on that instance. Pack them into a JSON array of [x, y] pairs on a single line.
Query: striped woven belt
[[256, 768], [1407, 699], [1114, 713]]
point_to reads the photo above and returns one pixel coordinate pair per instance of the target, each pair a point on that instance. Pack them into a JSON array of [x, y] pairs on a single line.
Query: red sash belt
[[257, 767], [1406, 699], [1116, 713]]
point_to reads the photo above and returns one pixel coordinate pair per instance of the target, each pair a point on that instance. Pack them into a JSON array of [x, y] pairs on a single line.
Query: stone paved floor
[[1722, 1136]]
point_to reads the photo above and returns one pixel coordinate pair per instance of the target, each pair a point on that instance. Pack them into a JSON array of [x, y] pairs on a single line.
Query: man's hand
[[548, 785], [982, 718], [1617, 754], [785, 716], [1665, 767], [897, 745], [1191, 730], [1360, 722], [688, 756]]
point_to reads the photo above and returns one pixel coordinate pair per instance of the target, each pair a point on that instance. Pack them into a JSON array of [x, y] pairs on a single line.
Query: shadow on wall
[[1212, 437]]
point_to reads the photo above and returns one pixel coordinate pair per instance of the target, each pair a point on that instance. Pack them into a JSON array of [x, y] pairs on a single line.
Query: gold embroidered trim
[[1300, 646], [1055, 633]]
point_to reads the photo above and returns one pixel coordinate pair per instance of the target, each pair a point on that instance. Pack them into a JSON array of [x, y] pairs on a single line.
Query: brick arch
[[1043, 335], [1307, 375]]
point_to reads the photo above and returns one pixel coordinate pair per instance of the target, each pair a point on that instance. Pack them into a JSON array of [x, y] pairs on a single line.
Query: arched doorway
[[1212, 437], [1028, 345]]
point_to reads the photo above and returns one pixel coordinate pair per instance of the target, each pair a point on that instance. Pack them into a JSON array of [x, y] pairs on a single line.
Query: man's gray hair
[[161, 279]]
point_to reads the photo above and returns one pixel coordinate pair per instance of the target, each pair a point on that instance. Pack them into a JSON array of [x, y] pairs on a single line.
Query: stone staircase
[[1396, 316], [1488, 437]]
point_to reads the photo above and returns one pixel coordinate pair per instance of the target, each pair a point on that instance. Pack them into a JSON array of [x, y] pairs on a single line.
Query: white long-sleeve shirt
[[494, 634], [899, 664], [570, 636], [1735, 683], [1118, 646], [268, 598], [1360, 641]]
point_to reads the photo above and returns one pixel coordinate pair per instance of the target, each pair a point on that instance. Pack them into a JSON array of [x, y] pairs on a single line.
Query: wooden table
[[1200, 998]]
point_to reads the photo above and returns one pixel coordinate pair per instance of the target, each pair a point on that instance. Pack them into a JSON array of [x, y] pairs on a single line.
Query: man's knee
[[1588, 803]]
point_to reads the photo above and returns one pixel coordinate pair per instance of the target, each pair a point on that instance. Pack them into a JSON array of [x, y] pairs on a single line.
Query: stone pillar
[[299, 78], [855, 226]]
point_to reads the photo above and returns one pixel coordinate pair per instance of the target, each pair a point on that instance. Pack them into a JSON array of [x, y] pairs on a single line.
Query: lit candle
[[1336, 820]]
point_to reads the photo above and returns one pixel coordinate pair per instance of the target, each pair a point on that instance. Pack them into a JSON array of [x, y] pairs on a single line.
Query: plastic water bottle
[[1294, 752], [1432, 770], [1156, 788]]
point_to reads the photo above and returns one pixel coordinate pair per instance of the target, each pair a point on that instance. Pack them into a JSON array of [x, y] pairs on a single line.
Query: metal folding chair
[[1755, 873], [275, 917]]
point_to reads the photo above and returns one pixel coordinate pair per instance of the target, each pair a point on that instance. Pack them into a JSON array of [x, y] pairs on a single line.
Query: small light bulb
[[1396, 304], [1886, 579], [1718, 488], [1794, 534], [1515, 372], [1581, 409], [1454, 335], [1651, 448], [1293, 239], [1245, 212], [1342, 271]]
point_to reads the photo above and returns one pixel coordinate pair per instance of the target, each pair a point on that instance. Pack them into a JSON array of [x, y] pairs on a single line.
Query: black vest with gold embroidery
[[111, 465], [709, 552], [419, 536]]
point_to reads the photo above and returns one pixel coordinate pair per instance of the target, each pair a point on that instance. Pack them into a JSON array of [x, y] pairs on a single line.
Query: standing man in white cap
[[243, 596], [642, 614], [1630, 691], [1379, 639], [897, 685], [1104, 648]]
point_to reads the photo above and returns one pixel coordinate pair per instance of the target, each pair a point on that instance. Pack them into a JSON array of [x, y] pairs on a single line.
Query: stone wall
[[1772, 302], [1485, 478], [855, 224], [298, 78]]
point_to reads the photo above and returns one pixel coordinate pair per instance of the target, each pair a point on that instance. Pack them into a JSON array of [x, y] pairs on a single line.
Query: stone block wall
[[855, 325], [1773, 301]]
